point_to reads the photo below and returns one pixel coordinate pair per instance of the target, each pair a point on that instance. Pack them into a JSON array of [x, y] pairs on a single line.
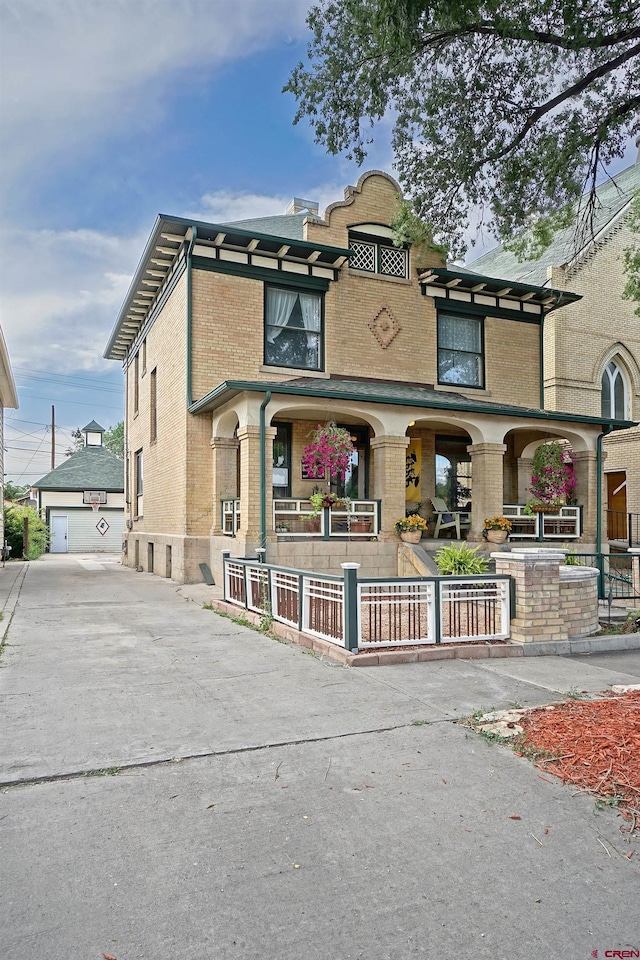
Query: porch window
[[293, 329], [460, 350], [614, 392], [282, 461]]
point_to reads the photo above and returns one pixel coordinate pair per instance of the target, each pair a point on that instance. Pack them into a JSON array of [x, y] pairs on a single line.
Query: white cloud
[[62, 294], [76, 71]]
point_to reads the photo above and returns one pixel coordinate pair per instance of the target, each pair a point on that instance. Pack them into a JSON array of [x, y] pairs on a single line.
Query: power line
[[79, 403], [65, 376], [70, 386]]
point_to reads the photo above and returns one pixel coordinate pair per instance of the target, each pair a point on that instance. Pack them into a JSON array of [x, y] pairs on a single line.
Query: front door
[[617, 505], [58, 535]]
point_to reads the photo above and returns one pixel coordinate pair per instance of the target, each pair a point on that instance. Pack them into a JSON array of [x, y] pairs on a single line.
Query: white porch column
[[488, 484], [389, 480]]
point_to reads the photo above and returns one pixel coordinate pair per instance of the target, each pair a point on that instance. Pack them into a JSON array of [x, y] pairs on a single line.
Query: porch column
[[587, 493], [525, 469], [389, 480], [251, 481], [488, 484], [224, 457]]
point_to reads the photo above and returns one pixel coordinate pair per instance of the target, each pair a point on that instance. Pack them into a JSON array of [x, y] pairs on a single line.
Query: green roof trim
[[387, 392], [471, 277], [92, 468]]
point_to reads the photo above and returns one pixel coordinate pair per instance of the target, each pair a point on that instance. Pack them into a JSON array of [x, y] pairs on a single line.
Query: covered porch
[[413, 445]]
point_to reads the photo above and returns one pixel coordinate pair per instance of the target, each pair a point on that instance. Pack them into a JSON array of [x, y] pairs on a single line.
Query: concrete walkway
[[180, 786]]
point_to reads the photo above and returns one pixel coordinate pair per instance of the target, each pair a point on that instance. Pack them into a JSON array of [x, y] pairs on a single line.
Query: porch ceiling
[[391, 392]]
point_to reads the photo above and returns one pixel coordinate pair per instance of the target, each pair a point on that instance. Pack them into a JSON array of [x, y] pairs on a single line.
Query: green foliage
[[13, 532], [454, 560], [113, 439], [410, 230], [499, 107], [13, 490], [631, 257], [77, 442]]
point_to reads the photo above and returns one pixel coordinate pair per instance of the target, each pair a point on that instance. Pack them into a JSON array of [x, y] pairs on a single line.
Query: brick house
[[592, 346], [238, 339]]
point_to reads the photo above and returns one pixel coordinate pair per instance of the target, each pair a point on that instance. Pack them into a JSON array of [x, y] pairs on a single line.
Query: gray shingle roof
[[612, 197], [290, 227], [92, 468], [93, 427]]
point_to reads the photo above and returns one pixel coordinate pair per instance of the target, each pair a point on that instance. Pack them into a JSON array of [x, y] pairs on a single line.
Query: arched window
[[614, 392]]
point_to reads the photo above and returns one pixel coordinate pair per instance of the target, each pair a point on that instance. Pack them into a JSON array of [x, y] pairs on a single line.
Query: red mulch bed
[[597, 745]]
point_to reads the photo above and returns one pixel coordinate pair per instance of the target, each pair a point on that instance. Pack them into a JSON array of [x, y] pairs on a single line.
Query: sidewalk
[[178, 785]]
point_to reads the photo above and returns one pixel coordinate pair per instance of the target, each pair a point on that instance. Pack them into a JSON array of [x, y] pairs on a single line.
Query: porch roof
[[463, 283], [391, 392]]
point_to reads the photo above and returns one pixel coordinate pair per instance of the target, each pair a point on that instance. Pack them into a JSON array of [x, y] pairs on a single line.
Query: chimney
[[298, 205]]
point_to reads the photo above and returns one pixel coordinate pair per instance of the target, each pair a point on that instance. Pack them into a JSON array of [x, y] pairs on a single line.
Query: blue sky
[[113, 111]]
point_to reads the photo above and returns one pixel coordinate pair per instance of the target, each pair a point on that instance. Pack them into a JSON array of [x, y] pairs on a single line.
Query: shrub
[[13, 528], [454, 560]]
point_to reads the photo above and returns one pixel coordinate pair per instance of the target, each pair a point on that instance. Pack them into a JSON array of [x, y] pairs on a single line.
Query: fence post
[[350, 605], [635, 568], [225, 554]]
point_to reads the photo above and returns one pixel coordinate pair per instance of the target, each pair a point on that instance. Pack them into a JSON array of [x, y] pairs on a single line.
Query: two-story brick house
[[237, 340]]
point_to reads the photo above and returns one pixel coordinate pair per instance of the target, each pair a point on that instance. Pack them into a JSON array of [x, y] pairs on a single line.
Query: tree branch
[[567, 94], [520, 33]]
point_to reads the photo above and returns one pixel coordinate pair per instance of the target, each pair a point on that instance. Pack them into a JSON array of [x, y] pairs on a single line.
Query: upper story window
[[460, 350], [614, 392], [293, 328], [374, 251]]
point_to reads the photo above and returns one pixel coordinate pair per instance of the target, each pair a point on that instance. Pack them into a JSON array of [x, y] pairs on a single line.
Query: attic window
[[93, 495], [373, 251]]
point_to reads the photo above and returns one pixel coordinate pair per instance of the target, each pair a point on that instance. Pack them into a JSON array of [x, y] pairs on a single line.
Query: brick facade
[[207, 328]]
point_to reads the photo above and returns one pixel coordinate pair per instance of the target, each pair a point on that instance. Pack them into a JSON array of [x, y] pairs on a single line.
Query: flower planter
[[411, 536], [363, 526], [545, 507], [497, 536]]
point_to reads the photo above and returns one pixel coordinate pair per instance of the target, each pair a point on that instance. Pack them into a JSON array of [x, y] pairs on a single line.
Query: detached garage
[[82, 500]]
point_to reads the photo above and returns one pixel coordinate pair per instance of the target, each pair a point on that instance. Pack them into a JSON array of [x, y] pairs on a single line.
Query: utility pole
[[53, 438]]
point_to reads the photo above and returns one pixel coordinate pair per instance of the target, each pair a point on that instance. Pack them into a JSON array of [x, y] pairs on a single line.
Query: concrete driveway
[[180, 786]]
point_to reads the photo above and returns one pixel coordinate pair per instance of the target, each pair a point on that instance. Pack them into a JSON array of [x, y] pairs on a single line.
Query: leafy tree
[[77, 442], [500, 108], [13, 531], [13, 490], [113, 439]]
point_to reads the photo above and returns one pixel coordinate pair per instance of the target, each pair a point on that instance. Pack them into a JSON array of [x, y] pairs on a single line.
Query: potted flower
[[319, 500], [553, 479], [410, 528], [496, 529]]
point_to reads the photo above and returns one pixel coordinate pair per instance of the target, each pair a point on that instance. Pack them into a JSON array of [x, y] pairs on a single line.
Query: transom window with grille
[[375, 254], [293, 328], [460, 350]]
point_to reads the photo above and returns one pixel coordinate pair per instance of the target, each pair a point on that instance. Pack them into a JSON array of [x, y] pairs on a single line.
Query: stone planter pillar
[[536, 615]]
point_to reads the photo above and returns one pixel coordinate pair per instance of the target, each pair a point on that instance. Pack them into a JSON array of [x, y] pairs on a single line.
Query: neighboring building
[[92, 475], [8, 399], [592, 347], [238, 339]]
